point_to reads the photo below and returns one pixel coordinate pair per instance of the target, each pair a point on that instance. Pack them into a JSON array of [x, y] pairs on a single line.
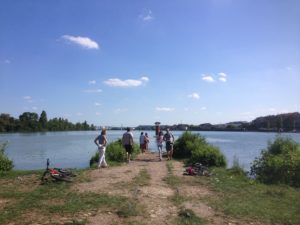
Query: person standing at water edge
[[101, 142], [127, 142], [169, 139], [142, 142], [147, 139], [159, 140]]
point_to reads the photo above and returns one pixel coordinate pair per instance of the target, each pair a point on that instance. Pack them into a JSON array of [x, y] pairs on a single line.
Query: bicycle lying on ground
[[197, 169], [57, 174]]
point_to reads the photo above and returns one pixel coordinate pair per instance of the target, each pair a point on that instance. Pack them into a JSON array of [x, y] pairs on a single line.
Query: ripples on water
[[75, 148]]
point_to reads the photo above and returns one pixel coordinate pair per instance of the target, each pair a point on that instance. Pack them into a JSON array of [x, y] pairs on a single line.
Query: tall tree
[[29, 121], [43, 120]]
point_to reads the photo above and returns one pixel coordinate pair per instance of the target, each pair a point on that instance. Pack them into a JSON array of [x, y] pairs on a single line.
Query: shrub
[[186, 144], [237, 168], [115, 152], [5, 163], [196, 149], [279, 163]]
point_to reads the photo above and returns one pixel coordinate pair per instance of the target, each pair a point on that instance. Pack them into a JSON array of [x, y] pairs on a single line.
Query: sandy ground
[[155, 196]]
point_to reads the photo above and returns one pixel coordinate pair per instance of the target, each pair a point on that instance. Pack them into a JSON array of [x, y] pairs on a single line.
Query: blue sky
[[136, 62]]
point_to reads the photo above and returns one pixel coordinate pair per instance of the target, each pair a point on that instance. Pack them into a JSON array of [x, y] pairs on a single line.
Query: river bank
[[145, 191], [73, 149]]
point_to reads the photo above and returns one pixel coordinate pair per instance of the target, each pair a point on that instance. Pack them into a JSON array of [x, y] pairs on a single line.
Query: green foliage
[[31, 122], [196, 149], [5, 163], [279, 163], [240, 196], [130, 208], [53, 199], [115, 152], [236, 168], [186, 144], [188, 217], [43, 120]]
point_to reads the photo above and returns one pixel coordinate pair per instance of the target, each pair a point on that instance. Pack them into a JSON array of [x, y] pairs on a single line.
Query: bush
[[115, 152], [5, 163], [196, 149], [186, 144], [237, 168], [279, 163]]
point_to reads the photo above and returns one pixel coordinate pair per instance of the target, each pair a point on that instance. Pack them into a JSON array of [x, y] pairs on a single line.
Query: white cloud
[[194, 96], [97, 104], [222, 74], [207, 78], [93, 90], [165, 109], [116, 82], [145, 79], [92, 82], [34, 108], [98, 113], [27, 97], [147, 16], [223, 79], [203, 108], [120, 110], [79, 114], [84, 42]]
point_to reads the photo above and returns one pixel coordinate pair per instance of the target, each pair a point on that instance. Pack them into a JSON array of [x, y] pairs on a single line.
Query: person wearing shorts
[[169, 139], [127, 141]]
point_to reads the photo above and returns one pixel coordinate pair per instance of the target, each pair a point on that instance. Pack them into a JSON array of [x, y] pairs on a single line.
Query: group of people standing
[[144, 141], [127, 142], [160, 138]]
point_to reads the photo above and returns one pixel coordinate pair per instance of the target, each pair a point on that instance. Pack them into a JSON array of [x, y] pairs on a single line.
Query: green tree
[[29, 121], [7, 123], [43, 120]]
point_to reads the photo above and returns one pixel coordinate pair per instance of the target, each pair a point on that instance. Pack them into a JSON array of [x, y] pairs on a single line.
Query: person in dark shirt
[[169, 139]]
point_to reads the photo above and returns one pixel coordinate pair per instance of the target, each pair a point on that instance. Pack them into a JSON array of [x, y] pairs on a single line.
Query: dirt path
[[155, 197]]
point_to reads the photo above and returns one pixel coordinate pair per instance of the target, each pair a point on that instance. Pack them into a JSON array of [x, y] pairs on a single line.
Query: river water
[[73, 149]]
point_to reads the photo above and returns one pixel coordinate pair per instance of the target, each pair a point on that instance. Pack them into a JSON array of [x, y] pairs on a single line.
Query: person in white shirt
[[101, 142], [159, 140]]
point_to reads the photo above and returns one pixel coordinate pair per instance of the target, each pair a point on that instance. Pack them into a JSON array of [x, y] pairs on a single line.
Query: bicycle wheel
[[46, 177], [60, 177]]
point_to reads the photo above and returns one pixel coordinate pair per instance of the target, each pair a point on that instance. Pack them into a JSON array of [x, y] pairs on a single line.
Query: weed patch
[[188, 217], [241, 196]]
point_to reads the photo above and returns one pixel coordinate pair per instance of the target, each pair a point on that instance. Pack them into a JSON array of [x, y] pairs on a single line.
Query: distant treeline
[[31, 122], [281, 122], [287, 122]]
